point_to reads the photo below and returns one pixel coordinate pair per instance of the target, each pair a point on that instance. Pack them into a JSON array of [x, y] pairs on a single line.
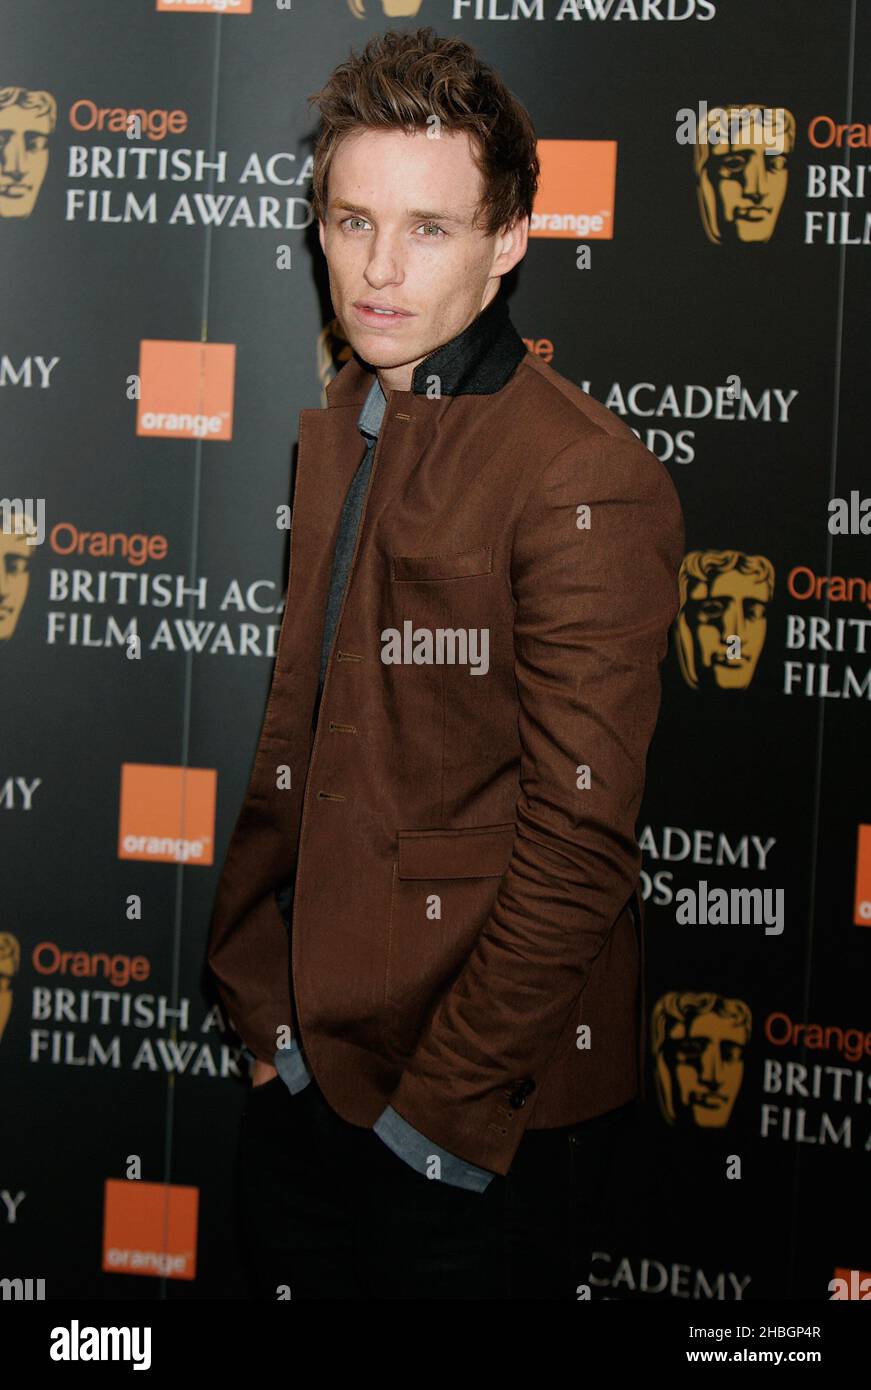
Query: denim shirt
[[405, 1141]]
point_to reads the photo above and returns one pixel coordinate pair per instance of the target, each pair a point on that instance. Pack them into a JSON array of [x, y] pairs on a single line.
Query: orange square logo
[[167, 814], [186, 389], [862, 917], [575, 195], [150, 1228], [205, 6]]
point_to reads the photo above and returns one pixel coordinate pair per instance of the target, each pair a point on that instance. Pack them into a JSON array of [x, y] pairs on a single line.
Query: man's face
[[705, 1063], [23, 159], [398, 232], [14, 579], [733, 605], [749, 184]]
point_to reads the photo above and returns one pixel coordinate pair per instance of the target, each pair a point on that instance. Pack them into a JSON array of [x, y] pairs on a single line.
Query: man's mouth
[[371, 312]]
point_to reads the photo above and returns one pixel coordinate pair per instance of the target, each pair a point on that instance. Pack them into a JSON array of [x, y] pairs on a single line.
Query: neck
[[400, 378]]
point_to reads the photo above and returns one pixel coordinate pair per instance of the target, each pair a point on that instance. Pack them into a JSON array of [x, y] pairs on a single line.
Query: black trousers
[[328, 1211]]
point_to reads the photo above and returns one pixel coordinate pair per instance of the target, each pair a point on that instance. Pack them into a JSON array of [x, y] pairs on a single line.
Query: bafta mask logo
[[722, 619], [698, 1043], [393, 9], [741, 157], [16, 548], [27, 119], [333, 351], [10, 960]]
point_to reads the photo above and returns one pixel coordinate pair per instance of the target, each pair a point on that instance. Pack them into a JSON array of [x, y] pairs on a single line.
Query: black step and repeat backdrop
[[164, 318]]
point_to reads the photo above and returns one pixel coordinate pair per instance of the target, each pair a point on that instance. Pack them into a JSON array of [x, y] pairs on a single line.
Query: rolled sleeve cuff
[[417, 1151], [290, 1064]]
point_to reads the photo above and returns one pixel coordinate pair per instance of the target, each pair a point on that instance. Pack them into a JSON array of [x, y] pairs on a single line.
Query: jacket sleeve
[[594, 598]]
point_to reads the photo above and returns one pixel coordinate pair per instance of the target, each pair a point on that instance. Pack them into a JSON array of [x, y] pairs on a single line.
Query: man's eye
[[352, 219], [429, 225]]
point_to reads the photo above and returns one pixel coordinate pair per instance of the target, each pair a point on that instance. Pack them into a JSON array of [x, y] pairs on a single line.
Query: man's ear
[[514, 240], [321, 235]]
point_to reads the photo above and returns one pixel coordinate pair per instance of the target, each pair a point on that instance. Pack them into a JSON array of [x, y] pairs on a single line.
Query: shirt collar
[[479, 360], [370, 417]]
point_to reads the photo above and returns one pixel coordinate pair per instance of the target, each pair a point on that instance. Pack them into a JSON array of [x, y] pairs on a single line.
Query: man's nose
[[384, 263]]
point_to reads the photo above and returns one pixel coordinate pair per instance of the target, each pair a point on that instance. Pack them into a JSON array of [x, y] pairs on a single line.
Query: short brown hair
[[401, 79]]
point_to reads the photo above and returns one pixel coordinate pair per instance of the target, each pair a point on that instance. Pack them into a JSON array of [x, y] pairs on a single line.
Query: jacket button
[[522, 1089]]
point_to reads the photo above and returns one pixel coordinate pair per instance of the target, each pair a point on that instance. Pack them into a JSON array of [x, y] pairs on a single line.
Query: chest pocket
[[460, 565]]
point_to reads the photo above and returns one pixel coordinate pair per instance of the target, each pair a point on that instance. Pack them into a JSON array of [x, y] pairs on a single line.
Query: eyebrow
[[415, 214]]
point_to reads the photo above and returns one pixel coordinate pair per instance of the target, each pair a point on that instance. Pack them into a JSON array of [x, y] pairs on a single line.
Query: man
[[437, 850]]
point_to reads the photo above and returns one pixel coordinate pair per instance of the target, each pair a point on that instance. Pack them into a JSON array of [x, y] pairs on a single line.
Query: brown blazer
[[464, 903]]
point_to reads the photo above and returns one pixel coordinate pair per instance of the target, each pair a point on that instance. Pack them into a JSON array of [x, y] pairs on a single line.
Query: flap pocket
[[460, 565], [483, 852]]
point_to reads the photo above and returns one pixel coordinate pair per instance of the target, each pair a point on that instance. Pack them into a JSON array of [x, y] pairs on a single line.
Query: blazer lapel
[[331, 448]]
